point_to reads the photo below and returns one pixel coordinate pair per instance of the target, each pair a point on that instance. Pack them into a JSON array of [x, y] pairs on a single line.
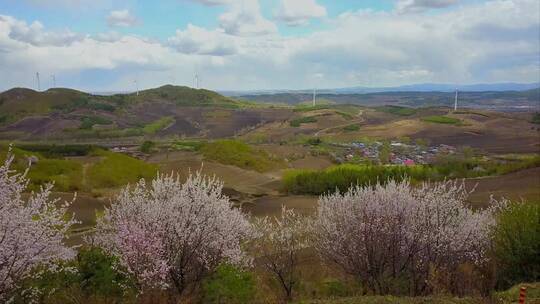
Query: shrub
[[147, 146], [397, 110], [352, 128], [89, 121], [84, 103], [187, 145], [517, 244], [390, 237], [442, 120], [91, 275], [342, 177], [302, 120], [228, 284], [58, 151], [314, 141], [536, 118], [3, 119]]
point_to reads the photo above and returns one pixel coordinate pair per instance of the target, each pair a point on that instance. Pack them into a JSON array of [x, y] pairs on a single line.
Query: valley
[[179, 122]]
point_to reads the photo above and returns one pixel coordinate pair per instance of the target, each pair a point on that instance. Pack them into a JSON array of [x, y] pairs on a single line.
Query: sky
[[118, 45]]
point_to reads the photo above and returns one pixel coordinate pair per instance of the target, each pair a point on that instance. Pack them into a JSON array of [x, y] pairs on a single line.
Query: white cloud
[[197, 40], [495, 41], [422, 5], [121, 18], [111, 36], [244, 18], [299, 12], [70, 4], [34, 33], [213, 2]]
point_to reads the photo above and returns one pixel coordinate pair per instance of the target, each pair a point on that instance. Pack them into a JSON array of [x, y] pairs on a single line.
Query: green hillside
[[186, 96], [20, 102]]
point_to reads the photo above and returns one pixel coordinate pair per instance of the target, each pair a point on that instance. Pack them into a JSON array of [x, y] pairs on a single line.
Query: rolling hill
[[496, 100], [168, 110]]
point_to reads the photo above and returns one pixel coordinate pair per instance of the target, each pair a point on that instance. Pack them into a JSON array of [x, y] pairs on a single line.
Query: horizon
[[247, 45], [406, 88]]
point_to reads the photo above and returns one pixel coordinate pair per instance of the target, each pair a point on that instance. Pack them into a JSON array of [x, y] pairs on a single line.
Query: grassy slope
[[19, 102], [116, 170], [236, 153], [504, 297], [185, 96], [65, 174], [397, 110], [112, 170], [442, 120], [158, 125]]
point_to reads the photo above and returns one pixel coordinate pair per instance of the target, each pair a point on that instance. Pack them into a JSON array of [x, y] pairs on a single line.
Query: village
[[394, 152]]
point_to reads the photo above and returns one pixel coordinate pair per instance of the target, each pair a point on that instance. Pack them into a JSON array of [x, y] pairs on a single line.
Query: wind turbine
[[53, 80], [456, 101], [136, 86], [38, 82], [314, 96], [196, 81]]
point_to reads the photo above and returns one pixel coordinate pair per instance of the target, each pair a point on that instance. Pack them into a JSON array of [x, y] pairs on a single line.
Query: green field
[[158, 125], [442, 120], [397, 110], [236, 153], [302, 120], [111, 170], [351, 128], [89, 121], [116, 170]]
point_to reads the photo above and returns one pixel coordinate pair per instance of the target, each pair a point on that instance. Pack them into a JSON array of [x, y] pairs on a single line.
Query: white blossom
[[32, 230], [171, 234], [386, 232]]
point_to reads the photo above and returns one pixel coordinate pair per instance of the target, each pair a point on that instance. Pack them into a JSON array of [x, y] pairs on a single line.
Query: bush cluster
[[342, 177], [302, 120], [442, 120]]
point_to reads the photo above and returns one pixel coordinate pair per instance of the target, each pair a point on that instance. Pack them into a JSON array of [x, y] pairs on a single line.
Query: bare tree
[[278, 245]]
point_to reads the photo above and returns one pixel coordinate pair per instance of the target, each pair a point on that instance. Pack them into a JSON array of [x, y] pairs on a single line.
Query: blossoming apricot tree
[[171, 234], [384, 234], [32, 230]]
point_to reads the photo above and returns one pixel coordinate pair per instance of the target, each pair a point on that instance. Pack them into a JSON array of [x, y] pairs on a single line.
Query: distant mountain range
[[423, 87]]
